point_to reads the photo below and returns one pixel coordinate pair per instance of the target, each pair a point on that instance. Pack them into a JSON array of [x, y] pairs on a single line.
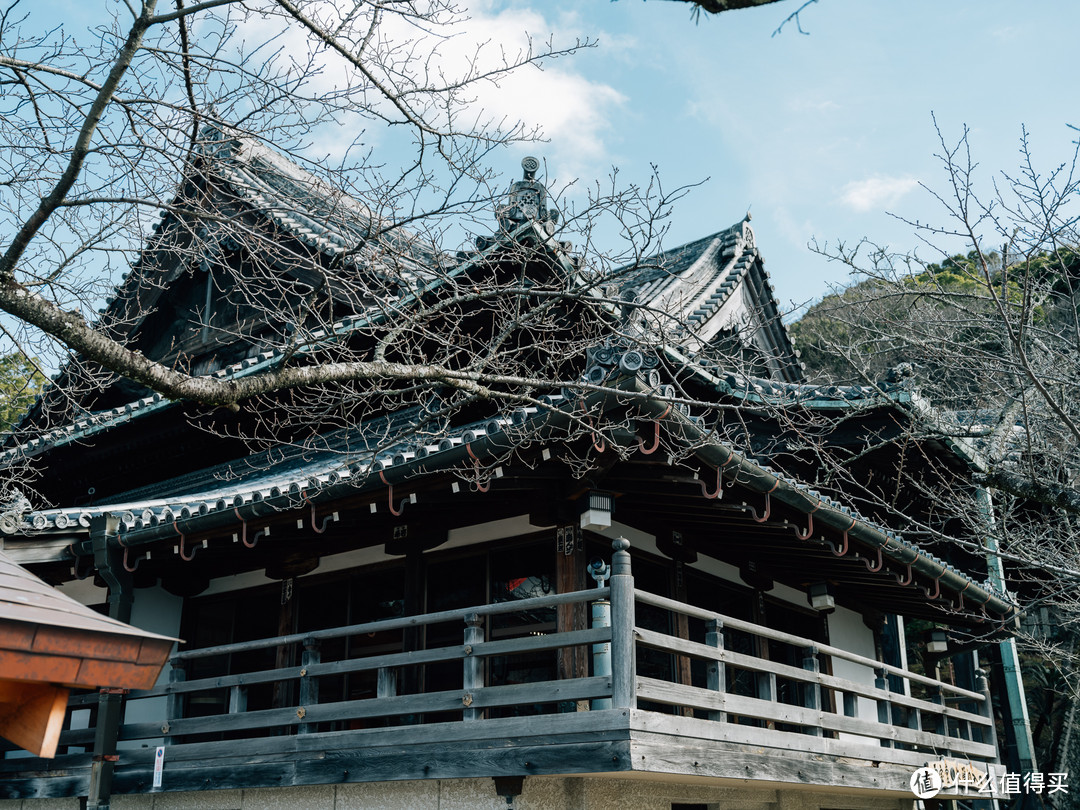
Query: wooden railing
[[308, 713], [947, 721], [722, 693]]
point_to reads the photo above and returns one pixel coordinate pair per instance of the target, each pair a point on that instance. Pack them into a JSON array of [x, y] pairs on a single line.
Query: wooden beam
[[32, 715]]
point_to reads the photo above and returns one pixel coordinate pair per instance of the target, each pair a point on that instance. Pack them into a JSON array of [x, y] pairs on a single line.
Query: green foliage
[[20, 382], [858, 334]]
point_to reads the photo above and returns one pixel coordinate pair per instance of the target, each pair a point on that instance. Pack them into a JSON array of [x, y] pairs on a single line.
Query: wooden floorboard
[[662, 755], [610, 741], [380, 764]]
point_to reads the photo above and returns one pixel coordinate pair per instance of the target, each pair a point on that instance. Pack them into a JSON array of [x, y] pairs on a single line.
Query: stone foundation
[[538, 793]]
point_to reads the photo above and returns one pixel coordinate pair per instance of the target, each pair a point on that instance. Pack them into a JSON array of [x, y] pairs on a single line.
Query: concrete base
[[538, 793]]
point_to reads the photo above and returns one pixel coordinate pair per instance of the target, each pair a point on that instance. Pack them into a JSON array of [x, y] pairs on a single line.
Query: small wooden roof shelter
[[50, 643]]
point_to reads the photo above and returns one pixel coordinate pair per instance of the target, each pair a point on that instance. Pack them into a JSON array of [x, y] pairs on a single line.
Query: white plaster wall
[[158, 611], [456, 538], [538, 793], [84, 591], [848, 631]]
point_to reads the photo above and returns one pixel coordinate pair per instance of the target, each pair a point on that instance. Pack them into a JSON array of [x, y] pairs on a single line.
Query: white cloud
[[877, 192], [812, 105], [569, 110]]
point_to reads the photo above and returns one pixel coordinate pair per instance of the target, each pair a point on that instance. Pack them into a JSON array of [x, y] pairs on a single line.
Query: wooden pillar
[[174, 704], [982, 684], [884, 706], [103, 529], [715, 675], [682, 630], [623, 653], [570, 576], [411, 681], [812, 694], [309, 684], [764, 682], [283, 656]]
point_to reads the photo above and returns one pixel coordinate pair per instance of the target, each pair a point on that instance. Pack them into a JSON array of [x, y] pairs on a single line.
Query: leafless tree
[[989, 326], [220, 149], [95, 138], [186, 148]]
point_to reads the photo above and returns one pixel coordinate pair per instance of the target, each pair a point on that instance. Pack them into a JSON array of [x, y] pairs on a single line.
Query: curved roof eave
[[805, 499], [488, 442], [93, 423]]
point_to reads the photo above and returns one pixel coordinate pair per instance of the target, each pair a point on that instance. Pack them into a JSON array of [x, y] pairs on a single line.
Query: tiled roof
[[324, 218], [89, 424], [693, 281], [694, 284], [319, 216], [345, 456], [26, 598]]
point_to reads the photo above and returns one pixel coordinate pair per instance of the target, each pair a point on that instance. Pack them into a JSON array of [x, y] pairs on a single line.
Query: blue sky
[[819, 136]]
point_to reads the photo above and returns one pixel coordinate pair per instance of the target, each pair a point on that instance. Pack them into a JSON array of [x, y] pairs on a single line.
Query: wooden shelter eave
[[50, 643]]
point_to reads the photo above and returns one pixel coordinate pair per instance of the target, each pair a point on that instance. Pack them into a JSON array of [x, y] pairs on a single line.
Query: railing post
[[715, 675], [941, 720], [601, 651], [812, 691], [851, 705], [309, 684], [623, 663], [474, 676], [238, 700], [884, 705], [386, 682], [982, 685], [174, 704], [765, 685]]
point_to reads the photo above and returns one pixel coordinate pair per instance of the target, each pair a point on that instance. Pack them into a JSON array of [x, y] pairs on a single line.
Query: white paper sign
[[159, 762]]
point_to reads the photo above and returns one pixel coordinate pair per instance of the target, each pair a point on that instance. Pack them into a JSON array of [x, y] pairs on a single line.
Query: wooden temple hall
[[660, 614]]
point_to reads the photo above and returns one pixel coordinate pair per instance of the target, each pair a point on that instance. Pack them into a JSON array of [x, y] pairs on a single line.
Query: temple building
[[643, 589]]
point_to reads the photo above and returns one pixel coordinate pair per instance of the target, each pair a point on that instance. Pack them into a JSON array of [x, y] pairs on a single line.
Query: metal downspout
[[1019, 733], [103, 530]]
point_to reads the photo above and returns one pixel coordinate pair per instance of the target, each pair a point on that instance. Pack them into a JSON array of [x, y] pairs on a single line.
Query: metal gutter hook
[[191, 556], [905, 581], [259, 535], [871, 567], [476, 470], [656, 437], [844, 547], [132, 568], [390, 497], [704, 491], [316, 527], [809, 524], [243, 532], [937, 589], [960, 603], [602, 446], [768, 507]]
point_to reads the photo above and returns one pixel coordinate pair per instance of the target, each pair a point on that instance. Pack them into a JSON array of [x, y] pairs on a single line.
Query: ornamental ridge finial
[[527, 200]]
